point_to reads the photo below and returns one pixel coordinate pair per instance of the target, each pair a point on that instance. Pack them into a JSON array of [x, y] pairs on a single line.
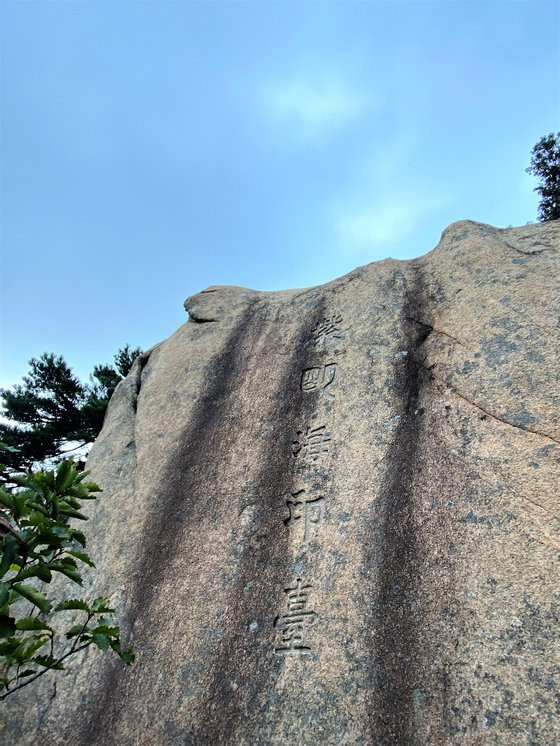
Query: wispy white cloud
[[310, 111], [383, 225]]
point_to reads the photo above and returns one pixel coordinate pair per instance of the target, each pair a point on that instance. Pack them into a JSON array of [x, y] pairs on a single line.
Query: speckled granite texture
[[331, 515]]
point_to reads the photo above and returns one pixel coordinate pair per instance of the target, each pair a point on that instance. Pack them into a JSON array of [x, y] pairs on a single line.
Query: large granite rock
[[331, 514]]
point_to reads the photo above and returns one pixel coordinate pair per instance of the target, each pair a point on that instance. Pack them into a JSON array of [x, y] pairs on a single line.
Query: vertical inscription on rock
[[310, 446]]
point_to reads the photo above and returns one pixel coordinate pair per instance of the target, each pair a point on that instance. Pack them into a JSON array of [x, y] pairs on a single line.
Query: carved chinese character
[[310, 379], [311, 444], [291, 625], [309, 512], [319, 378], [327, 329], [306, 512]]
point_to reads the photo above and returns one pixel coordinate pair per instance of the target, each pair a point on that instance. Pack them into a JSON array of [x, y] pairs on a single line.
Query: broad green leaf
[[103, 629], [27, 672], [62, 532], [45, 479], [92, 487], [48, 661], [44, 573], [36, 518], [36, 597], [55, 508], [20, 506], [29, 623], [6, 499], [29, 651], [39, 570], [65, 475], [69, 561], [34, 505], [81, 492], [79, 537], [101, 606], [71, 513], [7, 625], [82, 556], [9, 549], [66, 569], [127, 656], [102, 642], [71, 604], [75, 629], [33, 539], [4, 590], [8, 646], [69, 502]]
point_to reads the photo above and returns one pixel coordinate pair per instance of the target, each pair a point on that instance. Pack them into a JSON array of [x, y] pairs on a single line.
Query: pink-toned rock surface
[[331, 515]]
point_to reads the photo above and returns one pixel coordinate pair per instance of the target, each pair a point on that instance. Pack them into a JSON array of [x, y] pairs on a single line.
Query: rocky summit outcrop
[[331, 515]]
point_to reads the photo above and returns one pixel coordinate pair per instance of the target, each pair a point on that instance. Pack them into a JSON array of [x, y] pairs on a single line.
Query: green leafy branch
[[37, 542]]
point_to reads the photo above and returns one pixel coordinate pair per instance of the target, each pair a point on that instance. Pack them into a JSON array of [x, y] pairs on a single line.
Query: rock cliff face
[[331, 515]]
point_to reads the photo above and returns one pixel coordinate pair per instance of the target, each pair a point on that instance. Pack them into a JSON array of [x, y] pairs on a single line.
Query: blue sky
[[150, 149]]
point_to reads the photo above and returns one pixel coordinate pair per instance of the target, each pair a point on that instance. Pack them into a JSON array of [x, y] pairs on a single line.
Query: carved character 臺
[[291, 625]]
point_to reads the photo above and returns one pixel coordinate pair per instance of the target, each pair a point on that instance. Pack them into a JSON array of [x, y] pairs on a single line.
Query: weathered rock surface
[[331, 515]]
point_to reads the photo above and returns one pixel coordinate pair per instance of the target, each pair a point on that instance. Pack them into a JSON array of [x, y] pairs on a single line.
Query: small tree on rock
[[545, 164]]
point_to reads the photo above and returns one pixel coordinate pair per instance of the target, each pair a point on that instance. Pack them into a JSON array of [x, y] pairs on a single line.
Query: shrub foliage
[[39, 632]]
